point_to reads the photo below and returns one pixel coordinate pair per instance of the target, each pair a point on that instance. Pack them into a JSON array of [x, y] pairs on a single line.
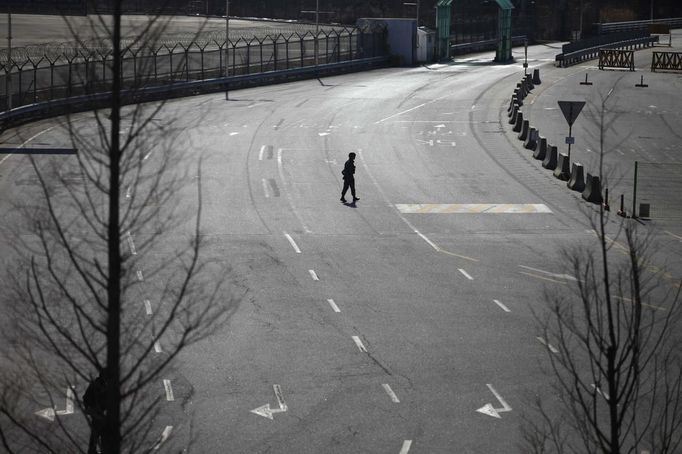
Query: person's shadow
[[350, 204]]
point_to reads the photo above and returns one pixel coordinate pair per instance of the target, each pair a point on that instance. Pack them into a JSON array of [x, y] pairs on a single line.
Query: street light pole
[[227, 48], [317, 27]]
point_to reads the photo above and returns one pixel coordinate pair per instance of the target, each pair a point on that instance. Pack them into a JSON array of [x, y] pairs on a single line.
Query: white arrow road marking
[[489, 410], [131, 244], [406, 447], [49, 413], [157, 347], [148, 307], [313, 274], [266, 411], [164, 436], [548, 345], [140, 277]]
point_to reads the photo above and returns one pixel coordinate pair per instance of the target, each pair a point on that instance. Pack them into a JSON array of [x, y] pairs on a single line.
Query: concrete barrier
[[525, 128], [562, 170], [529, 82], [541, 149], [521, 91], [592, 191], [577, 180], [518, 126], [515, 115], [536, 77], [550, 160], [532, 140]]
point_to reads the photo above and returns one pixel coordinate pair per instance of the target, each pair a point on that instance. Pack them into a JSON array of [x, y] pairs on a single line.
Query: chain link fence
[[54, 71]]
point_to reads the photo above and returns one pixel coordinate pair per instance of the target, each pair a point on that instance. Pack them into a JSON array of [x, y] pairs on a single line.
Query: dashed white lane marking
[[406, 447], [502, 306], [147, 155], [148, 307], [404, 219], [292, 242], [359, 344], [260, 153], [266, 190], [233, 133], [467, 275], [157, 347], [128, 195], [140, 277], [333, 305], [169, 390], [131, 244], [164, 436], [390, 393], [313, 274], [280, 169], [548, 345], [600, 392]]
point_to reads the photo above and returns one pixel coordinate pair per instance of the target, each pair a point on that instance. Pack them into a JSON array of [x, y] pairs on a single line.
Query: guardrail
[[488, 44], [572, 58], [47, 109], [642, 25], [667, 61]]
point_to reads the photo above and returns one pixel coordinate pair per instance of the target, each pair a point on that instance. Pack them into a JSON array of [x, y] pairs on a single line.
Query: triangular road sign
[[571, 110]]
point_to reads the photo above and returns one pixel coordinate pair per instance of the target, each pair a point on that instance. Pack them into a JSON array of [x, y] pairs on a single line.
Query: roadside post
[[571, 110], [525, 56]]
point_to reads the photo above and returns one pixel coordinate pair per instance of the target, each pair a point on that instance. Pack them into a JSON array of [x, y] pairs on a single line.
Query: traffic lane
[[281, 335], [440, 335]]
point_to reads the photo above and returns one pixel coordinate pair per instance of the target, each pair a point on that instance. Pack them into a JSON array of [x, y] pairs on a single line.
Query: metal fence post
[[634, 194]]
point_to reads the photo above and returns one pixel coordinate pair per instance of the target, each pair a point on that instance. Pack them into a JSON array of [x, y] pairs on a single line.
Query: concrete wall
[[402, 37]]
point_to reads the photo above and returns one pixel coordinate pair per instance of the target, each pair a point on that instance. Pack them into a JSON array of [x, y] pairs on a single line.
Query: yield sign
[[571, 110]]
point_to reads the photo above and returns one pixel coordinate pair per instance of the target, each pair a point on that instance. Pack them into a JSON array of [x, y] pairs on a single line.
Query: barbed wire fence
[[57, 70]]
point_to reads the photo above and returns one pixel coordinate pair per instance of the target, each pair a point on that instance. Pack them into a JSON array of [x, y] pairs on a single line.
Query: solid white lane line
[[140, 277], [403, 112], [169, 390], [292, 242], [358, 342], [504, 308], [148, 307], [566, 277], [260, 153], [406, 447], [164, 436], [390, 393], [465, 274], [673, 235], [548, 345], [157, 347], [333, 305], [131, 244], [313, 275], [266, 191]]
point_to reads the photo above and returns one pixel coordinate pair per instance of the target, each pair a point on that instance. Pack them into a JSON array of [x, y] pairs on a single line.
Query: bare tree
[[106, 274], [614, 354]]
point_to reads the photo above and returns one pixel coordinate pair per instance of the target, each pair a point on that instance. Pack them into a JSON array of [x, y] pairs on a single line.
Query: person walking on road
[[349, 178], [95, 404]]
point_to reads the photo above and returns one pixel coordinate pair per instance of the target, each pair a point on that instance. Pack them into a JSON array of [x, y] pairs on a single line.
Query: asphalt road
[[372, 327]]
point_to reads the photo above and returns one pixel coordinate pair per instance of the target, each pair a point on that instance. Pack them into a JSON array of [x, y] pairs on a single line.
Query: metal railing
[[46, 73], [572, 58], [666, 61], [641, 25]]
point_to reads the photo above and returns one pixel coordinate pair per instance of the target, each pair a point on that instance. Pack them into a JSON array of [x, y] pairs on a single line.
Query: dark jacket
[[349, 170]]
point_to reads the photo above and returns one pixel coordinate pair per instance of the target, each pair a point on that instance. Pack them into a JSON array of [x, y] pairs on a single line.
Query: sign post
[[571, 110]]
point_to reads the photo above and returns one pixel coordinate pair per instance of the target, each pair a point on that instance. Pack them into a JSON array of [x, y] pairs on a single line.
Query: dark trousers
[[96, 429], [348, 183]]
